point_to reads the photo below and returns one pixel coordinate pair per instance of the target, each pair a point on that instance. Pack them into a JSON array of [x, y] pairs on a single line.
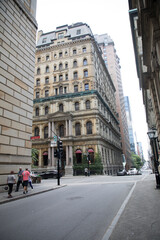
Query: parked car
[[132, 171], [50, 174], [122, 173]]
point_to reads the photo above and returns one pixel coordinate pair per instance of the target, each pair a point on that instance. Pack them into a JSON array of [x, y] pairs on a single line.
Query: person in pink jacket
[[26, 175]]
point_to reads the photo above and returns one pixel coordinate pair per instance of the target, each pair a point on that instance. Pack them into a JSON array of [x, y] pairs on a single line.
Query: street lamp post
[[153, 139]]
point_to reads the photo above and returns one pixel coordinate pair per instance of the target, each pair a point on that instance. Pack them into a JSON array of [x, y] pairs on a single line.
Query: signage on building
[[35, 137]]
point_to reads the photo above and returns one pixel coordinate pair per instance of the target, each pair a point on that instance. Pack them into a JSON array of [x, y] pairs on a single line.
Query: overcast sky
[[103, 16]]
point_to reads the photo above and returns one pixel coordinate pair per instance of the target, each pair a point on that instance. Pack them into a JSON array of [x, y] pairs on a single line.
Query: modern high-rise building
[[129, 121], [17, 65], [74, 99], [112, 63]]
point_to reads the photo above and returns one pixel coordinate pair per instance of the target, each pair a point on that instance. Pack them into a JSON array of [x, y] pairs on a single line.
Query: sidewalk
[[141, 217], [44, 186]]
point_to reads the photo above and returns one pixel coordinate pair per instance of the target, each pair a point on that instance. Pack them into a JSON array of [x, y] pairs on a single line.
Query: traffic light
[[55, 153], [60, 147]]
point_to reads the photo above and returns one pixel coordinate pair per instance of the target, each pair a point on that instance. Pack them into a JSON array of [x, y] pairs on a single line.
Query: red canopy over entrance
[[78, 151], [90, 150]]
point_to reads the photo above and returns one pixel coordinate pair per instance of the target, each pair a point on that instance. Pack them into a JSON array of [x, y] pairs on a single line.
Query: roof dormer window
[[60, 35]]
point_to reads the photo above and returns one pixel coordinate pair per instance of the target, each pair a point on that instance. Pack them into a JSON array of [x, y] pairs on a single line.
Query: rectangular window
[[38, 82], [75, 88], [66, 76], [38, 59], [56, 91], [37, 94], [46, 93], [65, 89], [86, 86], [78, 31], [54, 78], [44, 40]]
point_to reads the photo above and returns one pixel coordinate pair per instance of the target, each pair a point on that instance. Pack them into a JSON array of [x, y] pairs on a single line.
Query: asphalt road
[[84, 209]]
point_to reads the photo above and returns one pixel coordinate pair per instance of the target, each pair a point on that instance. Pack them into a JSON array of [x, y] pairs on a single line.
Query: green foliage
[[136, 161], [95, 168], [34, 155]]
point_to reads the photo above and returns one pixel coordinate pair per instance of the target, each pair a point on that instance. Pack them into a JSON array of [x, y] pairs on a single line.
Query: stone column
[[52, 128], [70, 128], [66, 128], [67, 156], [40, 131], [49, 129], [70, 156], [40, 158], [49, 156]]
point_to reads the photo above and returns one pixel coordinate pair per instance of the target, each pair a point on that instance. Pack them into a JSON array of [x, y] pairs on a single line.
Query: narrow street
[[84, 209]]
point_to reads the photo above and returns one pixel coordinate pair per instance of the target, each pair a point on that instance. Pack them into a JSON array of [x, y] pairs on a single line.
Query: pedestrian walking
[[30, 181], [20, 178], [10, 181], [86, 171], [26, 176]]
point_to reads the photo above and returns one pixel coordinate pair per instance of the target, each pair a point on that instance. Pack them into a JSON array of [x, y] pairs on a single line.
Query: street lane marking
[[116, 218]]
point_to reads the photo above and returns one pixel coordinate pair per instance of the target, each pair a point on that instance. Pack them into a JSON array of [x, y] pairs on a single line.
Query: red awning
[[45, 153], [90, 150], [78, 151]]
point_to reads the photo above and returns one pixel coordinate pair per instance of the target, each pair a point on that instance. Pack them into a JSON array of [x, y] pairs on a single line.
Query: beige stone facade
[[17, 60], [74, 98]]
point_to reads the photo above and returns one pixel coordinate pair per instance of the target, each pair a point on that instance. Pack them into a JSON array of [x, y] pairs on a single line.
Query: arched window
[[84, 49], [46, 110], [60, 78], [46, 132], [60, 66], [76, 106], [85, 62], [37, 111], [46, 80], [47, 69], [36, 131], [87, 104], [55, 67], [74, 51], [75, 63], [60, 90], [38, 70], [89, 127], [61, 130], [61, 107], [85, 73], [66, 65], [75, 75], [77, 129], [47, 57]]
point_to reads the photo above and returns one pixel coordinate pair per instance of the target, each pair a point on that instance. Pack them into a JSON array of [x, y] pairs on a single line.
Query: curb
[[30, 194]]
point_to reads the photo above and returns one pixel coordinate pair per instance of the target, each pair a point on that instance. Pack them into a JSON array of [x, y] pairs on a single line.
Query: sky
[[103, 16]]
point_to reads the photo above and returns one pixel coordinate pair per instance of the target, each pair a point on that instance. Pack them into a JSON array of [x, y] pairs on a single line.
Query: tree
[[35, 156], [136, 160]]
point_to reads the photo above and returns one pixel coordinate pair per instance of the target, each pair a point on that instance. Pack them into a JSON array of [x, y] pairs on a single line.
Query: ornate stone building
[[17, 64], [145, 26], [74, 98]]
